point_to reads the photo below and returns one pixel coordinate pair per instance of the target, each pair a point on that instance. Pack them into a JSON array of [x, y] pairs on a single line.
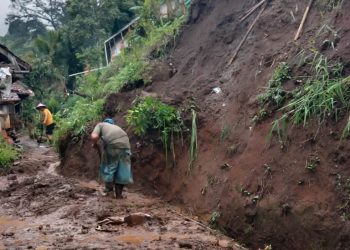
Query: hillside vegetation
[[256, 147]]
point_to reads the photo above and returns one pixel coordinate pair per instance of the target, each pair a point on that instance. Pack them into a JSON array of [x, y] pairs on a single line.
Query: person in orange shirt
[[46, 120]]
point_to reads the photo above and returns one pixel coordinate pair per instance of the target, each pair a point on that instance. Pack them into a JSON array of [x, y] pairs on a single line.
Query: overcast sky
[[4, 9]]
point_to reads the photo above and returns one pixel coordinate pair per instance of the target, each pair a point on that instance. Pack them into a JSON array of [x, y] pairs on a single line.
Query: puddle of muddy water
[[3, 183], [40, 248], [137, 239], [8, 222], [90, 185]]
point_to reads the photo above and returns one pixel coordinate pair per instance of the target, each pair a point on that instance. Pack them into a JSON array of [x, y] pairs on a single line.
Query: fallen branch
[[297, 35], [194, 221], [73, 92], [246, 35], [109, 230], [251, 11]]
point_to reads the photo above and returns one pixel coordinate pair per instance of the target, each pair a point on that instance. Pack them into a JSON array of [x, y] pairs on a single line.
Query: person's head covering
[[109, 120], [40, 105]]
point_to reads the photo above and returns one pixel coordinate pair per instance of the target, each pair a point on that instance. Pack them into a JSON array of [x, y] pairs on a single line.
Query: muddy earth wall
[[263, 193]]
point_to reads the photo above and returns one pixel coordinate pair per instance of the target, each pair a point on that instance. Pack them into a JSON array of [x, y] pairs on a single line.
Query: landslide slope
[[263, 193]]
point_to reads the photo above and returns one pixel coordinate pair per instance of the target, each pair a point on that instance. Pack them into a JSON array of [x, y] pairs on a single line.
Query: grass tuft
[[324, 94], [8, 154]]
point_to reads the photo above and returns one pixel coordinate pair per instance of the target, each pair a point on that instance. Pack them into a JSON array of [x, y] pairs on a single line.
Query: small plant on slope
[[274, 94], [324, 94], [214, 220], [152, 114], [278, 128]]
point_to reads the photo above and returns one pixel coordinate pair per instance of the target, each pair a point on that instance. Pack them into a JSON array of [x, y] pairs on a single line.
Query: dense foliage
[[76, 42], [8, 154], [74, 119], [152, 115], [133, 65]]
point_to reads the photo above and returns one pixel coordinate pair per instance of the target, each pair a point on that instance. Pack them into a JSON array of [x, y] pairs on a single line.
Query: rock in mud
[[28, 181], [225, 244], [84, 229], [163, 229], [13, 185], [136, 219], [12, 177], [16, 163], [185, 244], [8, 234], [40, 185], [65, 189]]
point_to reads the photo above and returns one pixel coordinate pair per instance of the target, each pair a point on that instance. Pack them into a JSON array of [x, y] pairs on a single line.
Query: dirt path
[[40, 209]]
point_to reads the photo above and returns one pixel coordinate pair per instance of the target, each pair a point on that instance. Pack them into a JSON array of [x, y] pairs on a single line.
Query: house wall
[[118, 46], [5, 121]]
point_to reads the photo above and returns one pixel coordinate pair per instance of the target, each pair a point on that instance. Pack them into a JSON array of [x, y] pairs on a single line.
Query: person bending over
[[115, 168]]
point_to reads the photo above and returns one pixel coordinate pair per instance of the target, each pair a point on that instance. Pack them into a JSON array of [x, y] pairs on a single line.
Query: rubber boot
[[118, 191], [108, 191]]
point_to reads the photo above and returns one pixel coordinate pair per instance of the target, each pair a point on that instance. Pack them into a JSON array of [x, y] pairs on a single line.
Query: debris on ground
[[43, 210]]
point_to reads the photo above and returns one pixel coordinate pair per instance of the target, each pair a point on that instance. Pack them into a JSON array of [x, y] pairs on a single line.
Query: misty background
[[4, 10]]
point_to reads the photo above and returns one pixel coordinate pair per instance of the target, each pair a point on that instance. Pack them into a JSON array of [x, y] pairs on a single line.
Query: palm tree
[[49, 44]]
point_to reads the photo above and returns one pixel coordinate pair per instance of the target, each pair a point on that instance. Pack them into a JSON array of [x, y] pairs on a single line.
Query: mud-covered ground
[[40, 209]]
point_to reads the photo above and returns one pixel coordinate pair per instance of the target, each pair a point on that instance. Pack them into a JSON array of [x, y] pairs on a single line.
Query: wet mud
[[40, 209]]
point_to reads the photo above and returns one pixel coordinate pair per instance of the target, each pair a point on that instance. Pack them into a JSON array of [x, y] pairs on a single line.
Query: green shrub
[[74, 119], [132, 65], [133, 71], [274, 94], [152, 114], [214, 220], [90, 85], [8, 154], [262, 115]]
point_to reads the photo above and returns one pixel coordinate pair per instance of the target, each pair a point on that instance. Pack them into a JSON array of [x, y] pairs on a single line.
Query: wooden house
[[12, 89]]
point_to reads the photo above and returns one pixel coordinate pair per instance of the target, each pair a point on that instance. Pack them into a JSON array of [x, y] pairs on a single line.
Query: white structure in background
[[5, 91], [114, 44], [5, 81], [12, 89], [117, 42]]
